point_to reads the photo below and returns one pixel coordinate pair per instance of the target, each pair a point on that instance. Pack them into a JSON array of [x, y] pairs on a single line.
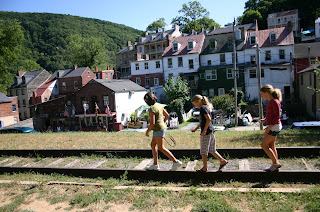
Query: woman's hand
[[262, 120], [147, 133], [193, 130], [204, 132], [266, 131]]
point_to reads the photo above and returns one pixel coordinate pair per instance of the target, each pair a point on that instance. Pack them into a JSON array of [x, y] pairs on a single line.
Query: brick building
[[9, 111]]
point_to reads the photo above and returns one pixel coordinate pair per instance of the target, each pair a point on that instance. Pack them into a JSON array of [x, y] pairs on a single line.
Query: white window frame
[[230, 73], [88, 73], [158, 64], [169, 62], [175, 46], [273, 37], [280, 54], [14, 108], [222, 58], [209, 62], [253, 59], [221, 92], [156, 82], [211, 74], [180, 63], [189, 46], [191, 64], [252, 72], [268, 52], [211, 92], [106, 100], [147, 81], [138, 80], [255, 39], [146, 66], [64, 86], [137, 67]]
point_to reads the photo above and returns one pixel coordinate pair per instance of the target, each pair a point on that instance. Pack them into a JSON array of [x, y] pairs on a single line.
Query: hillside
[[45, 35]]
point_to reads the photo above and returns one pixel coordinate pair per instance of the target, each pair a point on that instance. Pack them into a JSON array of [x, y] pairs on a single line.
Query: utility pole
[[259, 85], [235, 75]]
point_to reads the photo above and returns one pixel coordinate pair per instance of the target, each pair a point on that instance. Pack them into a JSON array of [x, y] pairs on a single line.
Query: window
[[88, 73], [230, 41], [211, 74], [169, 62], [140, 49], [157, 64], [75, 84], [106, 100], [180, 62], [64, 86], [175, 46], [209, 62], [138, 81], [282, 54], [221, 92], [14, 108], [24, 102], [213, 44], [22, 91], [191, 64], [268, 55], [253, 73], [156, 81], [230, 73], [278, 20], [18, 103], [137, 66], [252, 40], [158, 47], [222, 58], [45, 99], [301, 79], [147, 82], [273, 37], [170, 76], [211, 92], [190, 44], [17, 92], [204, 92], [146, 66], [262, 73], [15, 119], [202, 75], [253, 59]]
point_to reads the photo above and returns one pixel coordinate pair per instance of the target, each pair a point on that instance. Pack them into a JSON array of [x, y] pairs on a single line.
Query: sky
[[132, 13]]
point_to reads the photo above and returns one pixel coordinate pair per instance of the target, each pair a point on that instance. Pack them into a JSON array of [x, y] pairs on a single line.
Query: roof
[[223, 30], [284, 13], [284, 37], [183, 41], [44, 87], [28, 76], [301, 50], [157, 36], [118, 86], [310, 68], [4, 98], [67, 73]]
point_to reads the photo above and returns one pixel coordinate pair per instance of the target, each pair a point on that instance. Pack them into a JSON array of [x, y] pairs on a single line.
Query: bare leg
[[272, 146], [267, 142], [154, 151], [164, 150], [205, 162], [219, 157]]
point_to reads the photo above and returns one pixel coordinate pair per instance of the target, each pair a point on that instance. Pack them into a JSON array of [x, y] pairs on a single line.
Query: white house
[[317, 29], [281, 19], [276, 49]]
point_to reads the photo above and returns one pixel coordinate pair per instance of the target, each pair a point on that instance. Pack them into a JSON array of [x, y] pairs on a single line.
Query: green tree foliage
[[178, 93], [194, 16], [250, 16], [308, 10], [46, 37], [224, 103], [156, 25]]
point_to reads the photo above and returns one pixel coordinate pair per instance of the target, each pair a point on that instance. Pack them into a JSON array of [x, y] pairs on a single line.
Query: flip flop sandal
[[201, 170], [223, 165]]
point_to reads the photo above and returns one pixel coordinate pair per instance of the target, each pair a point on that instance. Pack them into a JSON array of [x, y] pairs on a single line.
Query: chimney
[[75, 66], [256, 23], [213, 28], [146, 33], [135, 43], [113, 68], [97, 69], [202, 29], [176, 27], [169, 39], [129, 43], [21, 73], [163, 29], [107, 67]]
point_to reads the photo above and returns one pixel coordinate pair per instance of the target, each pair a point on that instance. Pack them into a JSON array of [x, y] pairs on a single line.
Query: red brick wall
[[85, 78], [69, 84], [151, 77], [94, 89], [6, 108]]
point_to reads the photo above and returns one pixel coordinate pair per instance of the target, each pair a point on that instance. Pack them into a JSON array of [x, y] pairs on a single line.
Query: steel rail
[[177, 176], [283, 152]]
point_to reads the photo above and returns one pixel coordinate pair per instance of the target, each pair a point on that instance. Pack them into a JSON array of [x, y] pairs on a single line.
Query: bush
[[224, 103]]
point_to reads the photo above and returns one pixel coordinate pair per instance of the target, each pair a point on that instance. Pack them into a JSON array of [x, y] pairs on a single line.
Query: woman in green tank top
[[157, 124]]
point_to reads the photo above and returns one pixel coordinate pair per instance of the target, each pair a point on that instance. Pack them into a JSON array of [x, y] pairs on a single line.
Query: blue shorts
[[273, 133], [159, 133]]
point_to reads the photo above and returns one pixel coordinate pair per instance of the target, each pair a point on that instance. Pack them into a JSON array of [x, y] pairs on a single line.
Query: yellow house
[[308, 79]]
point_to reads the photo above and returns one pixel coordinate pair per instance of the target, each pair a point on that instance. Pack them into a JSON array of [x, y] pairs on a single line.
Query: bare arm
[[208, 120], [152, 122], [166, 115]]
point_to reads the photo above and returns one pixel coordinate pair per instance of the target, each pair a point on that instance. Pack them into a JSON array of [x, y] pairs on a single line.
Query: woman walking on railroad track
[[157, 124], [274, 126], [207, 138]]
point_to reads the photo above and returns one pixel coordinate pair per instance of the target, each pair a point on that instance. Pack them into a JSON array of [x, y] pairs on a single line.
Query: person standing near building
[[157, 124], [273, 123]]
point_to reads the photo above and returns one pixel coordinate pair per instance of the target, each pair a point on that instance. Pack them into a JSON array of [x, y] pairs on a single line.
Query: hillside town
[[82, 99]]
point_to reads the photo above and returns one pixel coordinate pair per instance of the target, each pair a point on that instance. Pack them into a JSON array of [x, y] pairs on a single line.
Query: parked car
[[18, 130], [306, 125], [196, 114]]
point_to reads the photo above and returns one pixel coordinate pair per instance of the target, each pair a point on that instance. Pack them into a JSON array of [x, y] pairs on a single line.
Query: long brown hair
[[275, 92], [204, 100], [150, 98]]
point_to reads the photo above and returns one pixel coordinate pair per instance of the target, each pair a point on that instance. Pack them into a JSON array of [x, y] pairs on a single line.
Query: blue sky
[[136, 14]]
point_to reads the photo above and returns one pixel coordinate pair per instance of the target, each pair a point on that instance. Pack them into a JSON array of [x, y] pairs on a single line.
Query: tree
[[11, 39], [85, 51], [224, 103], [178, 93], [194, 17], [156, 25], [250, 16]]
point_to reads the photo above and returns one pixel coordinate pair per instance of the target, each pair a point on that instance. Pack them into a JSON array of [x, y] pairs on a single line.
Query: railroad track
[[300, 164]]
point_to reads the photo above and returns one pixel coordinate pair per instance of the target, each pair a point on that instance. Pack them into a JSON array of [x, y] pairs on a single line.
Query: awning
[[308, 31]]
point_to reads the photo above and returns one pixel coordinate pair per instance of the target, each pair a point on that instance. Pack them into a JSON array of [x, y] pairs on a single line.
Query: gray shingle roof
[[301, 50], [251, 26], [118, 86], [69, 73], [29, 76], [4, 98]]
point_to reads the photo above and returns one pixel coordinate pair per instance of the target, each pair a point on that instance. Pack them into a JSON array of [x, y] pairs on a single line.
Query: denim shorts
[[159, 133], [275, 129], [273, 133]]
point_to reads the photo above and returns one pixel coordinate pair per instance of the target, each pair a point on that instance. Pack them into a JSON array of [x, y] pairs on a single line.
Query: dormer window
[[175, 46], [23, 80], [273, 37], [190, 44], [230, 41], [253, 40], [213, 44], [150, 37], [58, 75]]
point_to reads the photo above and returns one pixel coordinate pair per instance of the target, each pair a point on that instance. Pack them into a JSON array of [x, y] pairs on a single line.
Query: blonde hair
[[204, 100], [275, 92]]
